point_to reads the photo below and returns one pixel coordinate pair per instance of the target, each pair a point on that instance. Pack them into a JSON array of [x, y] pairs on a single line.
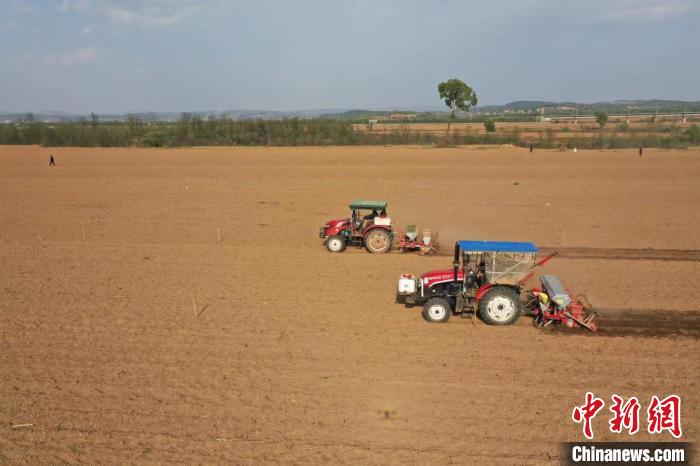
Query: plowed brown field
[[300, 355]]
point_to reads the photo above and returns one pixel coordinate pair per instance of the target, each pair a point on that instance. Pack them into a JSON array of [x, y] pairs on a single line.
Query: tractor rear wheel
[[335, 244], [437, 310], [378, 241], [499, 306]]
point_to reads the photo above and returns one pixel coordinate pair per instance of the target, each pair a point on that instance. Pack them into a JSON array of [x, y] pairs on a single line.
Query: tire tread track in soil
[[689, 255], [646, 323]]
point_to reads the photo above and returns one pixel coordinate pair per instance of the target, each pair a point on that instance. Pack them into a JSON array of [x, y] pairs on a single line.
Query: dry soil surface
[[300, 355]]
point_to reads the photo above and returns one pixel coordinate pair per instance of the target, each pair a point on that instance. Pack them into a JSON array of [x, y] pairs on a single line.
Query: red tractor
[[487, 279], [368, 226]]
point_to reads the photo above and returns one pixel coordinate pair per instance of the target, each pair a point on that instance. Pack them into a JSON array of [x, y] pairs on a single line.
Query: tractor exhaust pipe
[[455, 262]]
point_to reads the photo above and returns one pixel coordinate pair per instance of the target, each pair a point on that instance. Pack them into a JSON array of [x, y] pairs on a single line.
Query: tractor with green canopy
[[367, 226]]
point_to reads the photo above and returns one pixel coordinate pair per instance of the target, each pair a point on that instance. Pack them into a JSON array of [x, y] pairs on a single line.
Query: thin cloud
[[152, 14], [647, 11], [74, 5], [62, 59], [22, 7], [8, 25]]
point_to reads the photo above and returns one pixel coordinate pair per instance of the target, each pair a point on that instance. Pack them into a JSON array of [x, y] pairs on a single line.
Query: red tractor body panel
[[335, 227], [482, 290], [440, 276]]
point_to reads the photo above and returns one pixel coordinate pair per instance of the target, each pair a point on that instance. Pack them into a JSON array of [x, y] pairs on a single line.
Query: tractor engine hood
[[339, 222], [334, 227], [440, 276]]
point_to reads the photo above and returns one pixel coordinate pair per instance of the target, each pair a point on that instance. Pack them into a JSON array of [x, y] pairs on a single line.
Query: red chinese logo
[[587, 412], [665, 415], [626, 415], [662, 415]]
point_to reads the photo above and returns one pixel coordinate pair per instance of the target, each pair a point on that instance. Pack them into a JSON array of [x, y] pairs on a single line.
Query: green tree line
[[191, 130], [194, 131]]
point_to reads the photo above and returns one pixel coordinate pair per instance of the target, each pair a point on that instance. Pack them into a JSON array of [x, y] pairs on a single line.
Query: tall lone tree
[[457, 96]]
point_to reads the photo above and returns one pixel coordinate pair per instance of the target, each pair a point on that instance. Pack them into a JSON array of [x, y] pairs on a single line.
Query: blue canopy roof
[[496, 246]]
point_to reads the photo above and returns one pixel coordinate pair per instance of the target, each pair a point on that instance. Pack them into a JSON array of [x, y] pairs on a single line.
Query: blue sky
[[179, 55]]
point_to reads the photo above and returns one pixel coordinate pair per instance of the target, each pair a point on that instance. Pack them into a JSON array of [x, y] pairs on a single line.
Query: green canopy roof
[[373, 205]]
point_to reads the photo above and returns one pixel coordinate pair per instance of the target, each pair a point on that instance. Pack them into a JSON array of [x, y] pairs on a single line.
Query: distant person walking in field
[[641, 150], [532, 147], [52, 162]]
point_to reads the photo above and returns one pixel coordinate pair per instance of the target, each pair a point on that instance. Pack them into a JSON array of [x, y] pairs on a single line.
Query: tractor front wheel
[[335, 244], [500, 306], [378, 241], [437, 310]]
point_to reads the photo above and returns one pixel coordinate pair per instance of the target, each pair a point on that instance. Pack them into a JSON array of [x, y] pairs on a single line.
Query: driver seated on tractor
[[365, 220], [481, 273], [368, 219], [371, 215]]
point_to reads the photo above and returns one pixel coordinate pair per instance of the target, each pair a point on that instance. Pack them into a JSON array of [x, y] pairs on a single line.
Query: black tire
[[335, 243], [437, 310], [500, 306], [378, 241]]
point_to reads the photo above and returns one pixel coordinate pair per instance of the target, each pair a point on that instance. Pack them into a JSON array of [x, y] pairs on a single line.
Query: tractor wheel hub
[[500, 308]]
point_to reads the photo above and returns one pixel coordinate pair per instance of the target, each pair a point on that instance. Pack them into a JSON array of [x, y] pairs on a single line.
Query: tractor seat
[[411, 232]]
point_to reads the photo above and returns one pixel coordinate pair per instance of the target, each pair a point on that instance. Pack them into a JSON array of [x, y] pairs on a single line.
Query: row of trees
[[192, 130], [196, 132]]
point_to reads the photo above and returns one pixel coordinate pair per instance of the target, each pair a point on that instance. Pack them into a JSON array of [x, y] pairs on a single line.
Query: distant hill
[[520, 105], [57, 117], [421, 112], [617, 106]]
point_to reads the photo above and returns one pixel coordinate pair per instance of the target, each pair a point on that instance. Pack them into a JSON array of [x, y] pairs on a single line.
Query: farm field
[[299, 355], [553, 121], [559, 130]]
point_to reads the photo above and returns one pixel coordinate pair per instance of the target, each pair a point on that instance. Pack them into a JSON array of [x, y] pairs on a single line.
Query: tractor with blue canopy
[[487, 279]]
